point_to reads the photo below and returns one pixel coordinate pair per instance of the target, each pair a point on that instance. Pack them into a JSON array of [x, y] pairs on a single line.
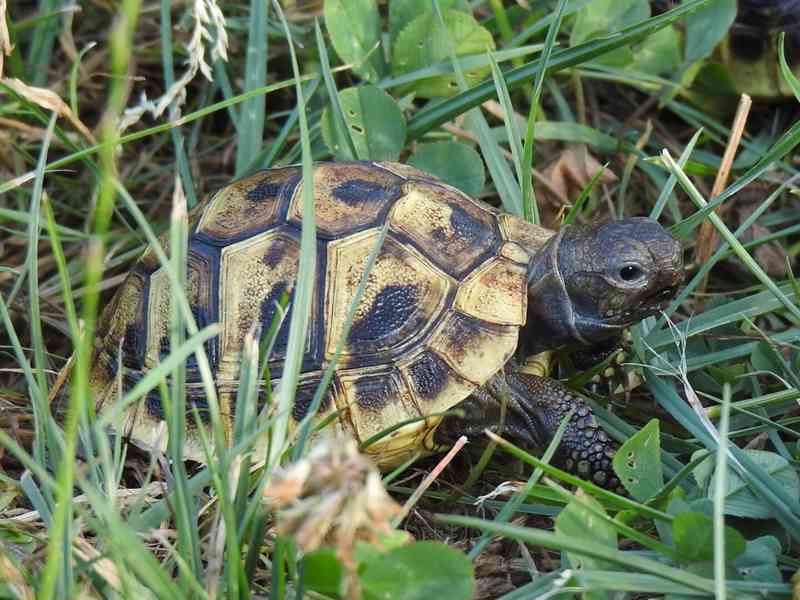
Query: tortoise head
[[589, 282]]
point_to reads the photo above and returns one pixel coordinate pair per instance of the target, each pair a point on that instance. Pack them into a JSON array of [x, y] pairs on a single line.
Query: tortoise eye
[[630, 273]]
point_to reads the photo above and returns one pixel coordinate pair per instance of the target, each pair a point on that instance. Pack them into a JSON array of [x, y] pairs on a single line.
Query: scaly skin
[[534, 410]]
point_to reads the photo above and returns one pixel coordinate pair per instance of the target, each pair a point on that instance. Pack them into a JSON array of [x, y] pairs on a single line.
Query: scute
[[201, 278], [495, 292], [348, 197], [473, 347], [246, 207], [403, 296], [254, 275], [374, 399], [445, 225]]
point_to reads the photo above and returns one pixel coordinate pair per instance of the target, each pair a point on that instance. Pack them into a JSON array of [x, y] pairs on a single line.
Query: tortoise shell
[[440, 315]]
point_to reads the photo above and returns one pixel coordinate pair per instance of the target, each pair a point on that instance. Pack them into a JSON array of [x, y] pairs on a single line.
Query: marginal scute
[[496, 292], [347, 196], [403, 295], [375, 399], [124, 323], [530, 237], [405, 171], [247, 206], [445, 225], [475, 349], [435, 385]]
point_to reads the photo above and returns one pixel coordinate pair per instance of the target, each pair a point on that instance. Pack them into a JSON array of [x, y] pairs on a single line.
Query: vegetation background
[[118, 117]]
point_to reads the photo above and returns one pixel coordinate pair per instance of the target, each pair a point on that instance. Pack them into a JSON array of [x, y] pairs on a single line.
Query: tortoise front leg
[[534, 410]]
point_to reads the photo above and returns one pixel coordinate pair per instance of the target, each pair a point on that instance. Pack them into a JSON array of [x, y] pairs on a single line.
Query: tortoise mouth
[[647, 306]]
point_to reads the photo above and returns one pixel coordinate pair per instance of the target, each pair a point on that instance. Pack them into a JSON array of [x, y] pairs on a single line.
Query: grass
[[713, 505]]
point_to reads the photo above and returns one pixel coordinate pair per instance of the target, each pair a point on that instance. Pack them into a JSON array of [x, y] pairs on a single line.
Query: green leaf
[[355, 30], [402, 12], [376, 124], [455, 163], [419, 571], [658, 54], [602, 17], [706, 27], [693, 534], [638, 463], [740, 500], [760, 560], [424, 42], [323, 572], [578, 521]]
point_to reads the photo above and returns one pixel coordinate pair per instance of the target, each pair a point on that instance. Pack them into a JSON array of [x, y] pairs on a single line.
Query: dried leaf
[[566, 178], [5, 38], [49, 100]]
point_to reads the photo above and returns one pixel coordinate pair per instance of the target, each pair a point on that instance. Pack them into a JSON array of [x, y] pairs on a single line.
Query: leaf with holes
[[456, 163], [355, 30], [425, 41], [377, 126], [638, 463]]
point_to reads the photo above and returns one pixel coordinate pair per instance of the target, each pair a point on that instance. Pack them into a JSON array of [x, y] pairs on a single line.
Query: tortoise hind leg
[[535, 408]]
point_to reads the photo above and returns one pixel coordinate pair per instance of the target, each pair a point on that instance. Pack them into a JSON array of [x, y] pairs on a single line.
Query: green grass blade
[[720, 485], [507, 187], [531, 210], [305, 276], [341, 130], [251, 115], [555, 541], [666, 191], [726, 234]]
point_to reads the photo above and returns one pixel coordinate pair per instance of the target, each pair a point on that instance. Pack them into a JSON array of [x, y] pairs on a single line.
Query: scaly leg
[[535, 408]]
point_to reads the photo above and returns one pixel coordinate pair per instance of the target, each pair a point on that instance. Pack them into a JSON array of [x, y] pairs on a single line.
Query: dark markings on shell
[[133, 346], [360, 191], [269, 309], [374, 393], [463, 333], [303, 399], [276, 250], [429, 375], [267, 188], [392, 307], [155, 409], [202, 319], [110, 364], [465, 226]]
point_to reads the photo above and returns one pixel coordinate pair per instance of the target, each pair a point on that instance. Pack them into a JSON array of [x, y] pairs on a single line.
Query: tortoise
[[458, 293]]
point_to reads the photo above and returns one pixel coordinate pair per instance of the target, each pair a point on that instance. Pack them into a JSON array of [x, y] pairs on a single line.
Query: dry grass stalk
[[426, 483], [207, 16], [5, 38], [707, 238], [49, 100]]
